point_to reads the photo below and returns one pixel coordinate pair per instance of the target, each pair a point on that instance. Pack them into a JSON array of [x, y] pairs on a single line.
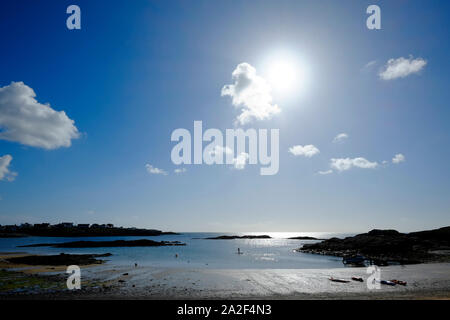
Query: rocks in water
[[70, 230], [386, 246], [239, 237], [104, 244], [303, 238], [12, 235], [59, 260], [224, 237]]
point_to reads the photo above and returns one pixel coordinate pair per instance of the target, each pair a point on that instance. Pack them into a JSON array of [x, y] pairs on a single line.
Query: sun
[[285, 74]]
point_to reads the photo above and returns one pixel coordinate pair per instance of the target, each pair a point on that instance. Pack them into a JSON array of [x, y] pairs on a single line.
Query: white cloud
[[240, 161], [218, 151], [5, 173], [152, 170], [398, 158], [325, 172], [250, 93], [369, 65], [307, 150], [344, 164], [23, 119], [402, 67], [180, 170], [340, 137]]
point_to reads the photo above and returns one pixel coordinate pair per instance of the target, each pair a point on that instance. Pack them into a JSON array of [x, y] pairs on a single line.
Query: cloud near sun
[[402, 67], [251, 94]]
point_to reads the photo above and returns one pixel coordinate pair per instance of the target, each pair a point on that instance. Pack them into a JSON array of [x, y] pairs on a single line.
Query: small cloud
[[344, 164], [152, 170], [240, 161], [306, 151], [398, 158], [5, 173], [180, 170], [251, 93], [402, 67], [369, 65], [90, 212], [340, 137], [23, 119], [219, 151], [325, 172]]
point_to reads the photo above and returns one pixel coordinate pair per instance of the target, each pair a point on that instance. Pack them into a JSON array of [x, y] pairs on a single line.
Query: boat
[[357, 279], [386, 282], [338, 280], [399, 282]]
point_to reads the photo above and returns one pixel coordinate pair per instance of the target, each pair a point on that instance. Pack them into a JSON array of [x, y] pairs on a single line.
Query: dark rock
[[12, 235], [386, 246], [104, 244], [303, 238], [59, 260], [46, 230], [239, 237]]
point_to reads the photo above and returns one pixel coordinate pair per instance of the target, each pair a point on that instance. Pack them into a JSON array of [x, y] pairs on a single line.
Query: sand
[[424, 281]]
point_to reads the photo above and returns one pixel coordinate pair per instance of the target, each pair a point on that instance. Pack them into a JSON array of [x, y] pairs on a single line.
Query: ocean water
[[275, 253]]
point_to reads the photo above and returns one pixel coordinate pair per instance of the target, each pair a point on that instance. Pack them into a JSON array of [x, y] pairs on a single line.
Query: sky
[[86, 116]]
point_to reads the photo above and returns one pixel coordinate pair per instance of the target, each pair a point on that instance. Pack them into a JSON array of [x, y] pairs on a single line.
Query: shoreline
[[108, 281]]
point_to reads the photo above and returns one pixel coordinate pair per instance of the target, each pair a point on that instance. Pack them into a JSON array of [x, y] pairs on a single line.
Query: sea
[[275, 253]]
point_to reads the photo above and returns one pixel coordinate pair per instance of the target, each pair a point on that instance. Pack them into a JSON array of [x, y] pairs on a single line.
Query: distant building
[[83, 225], [41, 225], [25, 226], [66, 225], [110, 225], [10, 228]]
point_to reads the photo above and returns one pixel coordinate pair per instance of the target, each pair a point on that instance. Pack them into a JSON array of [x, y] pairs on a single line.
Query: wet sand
[[424, 281]]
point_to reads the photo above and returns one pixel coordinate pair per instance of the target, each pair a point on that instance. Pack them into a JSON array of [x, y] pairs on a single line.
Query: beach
[[424, 281], [212, 266]]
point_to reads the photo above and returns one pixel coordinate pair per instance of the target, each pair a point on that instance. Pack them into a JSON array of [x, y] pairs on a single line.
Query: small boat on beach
[[399, 282], [357, 279], [386, 282], [339, 280]]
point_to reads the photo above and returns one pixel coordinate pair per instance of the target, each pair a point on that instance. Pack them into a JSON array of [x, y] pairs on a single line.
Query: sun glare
[[286, 74]]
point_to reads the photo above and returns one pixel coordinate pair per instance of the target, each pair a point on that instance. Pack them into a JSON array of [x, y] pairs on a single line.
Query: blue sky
[[138, 70]]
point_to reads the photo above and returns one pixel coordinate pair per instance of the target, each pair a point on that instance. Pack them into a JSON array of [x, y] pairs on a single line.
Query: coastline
[[108, 281]]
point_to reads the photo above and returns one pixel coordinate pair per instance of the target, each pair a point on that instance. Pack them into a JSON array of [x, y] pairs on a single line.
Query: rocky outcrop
[[388, 246], [303, 238], [12, 235], [59, 260], [104, 244], [238, 237], [45, 230]]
